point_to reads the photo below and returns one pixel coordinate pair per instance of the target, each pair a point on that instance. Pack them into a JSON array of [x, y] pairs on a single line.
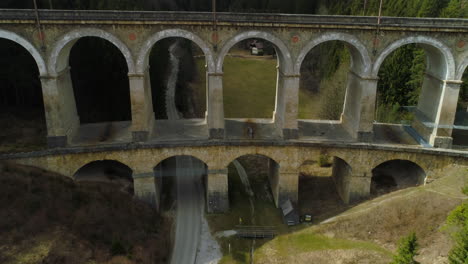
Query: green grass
[[249, 87], [308, 105], [300, 242]]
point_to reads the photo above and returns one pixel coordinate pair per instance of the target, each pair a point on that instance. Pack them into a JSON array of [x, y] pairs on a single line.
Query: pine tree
[[407, 250], [458, 219], [459, 253]]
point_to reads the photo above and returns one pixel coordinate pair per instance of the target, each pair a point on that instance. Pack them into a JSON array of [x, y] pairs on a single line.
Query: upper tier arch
[[360, 59], [29, 47], [59, 56], [440, 60], [143, 57], [285, 60]]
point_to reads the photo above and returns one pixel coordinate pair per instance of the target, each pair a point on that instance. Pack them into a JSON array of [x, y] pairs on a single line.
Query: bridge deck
[[250, 19]]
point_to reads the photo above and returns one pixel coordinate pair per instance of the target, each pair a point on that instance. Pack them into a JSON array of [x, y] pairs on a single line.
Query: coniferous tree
[[458, 220], [459, 253], [407, 250]]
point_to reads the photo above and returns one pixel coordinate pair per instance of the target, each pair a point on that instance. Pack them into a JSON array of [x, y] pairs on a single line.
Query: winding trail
[[171, 109]]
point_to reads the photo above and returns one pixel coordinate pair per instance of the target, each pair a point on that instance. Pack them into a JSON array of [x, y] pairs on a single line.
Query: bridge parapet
[[272, 20]]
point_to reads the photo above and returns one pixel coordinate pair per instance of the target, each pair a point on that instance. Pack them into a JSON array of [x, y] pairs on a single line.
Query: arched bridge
[[135, 33], [355, 155], [353, 164]]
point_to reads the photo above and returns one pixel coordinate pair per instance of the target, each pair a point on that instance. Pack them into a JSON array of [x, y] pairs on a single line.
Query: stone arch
[[107, 171], [159, 159], [163, 158], [29, 47], [414, 160], [360, 58], [284, 55], [235, 156], [440, 59], [143, 57], [396, 174], [269, 173], [104, 160], [189, 155], [58, 59], [74, 168]]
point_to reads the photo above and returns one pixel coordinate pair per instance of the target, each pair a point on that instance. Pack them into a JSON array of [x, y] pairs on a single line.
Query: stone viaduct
[[50, 39], [352, 164]]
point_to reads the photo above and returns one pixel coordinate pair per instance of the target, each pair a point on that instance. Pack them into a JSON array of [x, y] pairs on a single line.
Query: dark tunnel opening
[[100, 81], [22, 114]]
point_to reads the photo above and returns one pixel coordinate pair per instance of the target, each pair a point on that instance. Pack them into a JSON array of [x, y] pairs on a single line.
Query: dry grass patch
[[368, 232], [47, 218]]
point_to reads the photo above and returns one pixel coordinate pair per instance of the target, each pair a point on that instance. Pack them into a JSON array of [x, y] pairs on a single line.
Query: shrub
[[459, 253], [117, 248], [324, 160]]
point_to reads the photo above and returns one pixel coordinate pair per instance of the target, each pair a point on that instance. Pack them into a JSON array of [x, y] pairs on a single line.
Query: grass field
[[249, 89]]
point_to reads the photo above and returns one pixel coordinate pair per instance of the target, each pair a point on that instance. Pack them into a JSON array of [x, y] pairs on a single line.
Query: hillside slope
[[369, 232], [47, 218]]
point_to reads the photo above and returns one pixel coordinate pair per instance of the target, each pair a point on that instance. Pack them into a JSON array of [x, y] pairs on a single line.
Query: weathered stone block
[[442, 142], [217, 133], [217, 198], [365, 136], [140, 136], [57, 142], [290, 134]]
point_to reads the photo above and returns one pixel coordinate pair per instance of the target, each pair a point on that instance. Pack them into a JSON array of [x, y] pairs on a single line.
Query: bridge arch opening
[[107, 172], [400, 80], [249, 79], [341, 173], [254, 188], [100, 81], [177, 70], [22, 113], [411, 77], [91, 67], [460, 130], [318, 195], [180, 179], [253, 65], [395, 175], [324, 82]]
